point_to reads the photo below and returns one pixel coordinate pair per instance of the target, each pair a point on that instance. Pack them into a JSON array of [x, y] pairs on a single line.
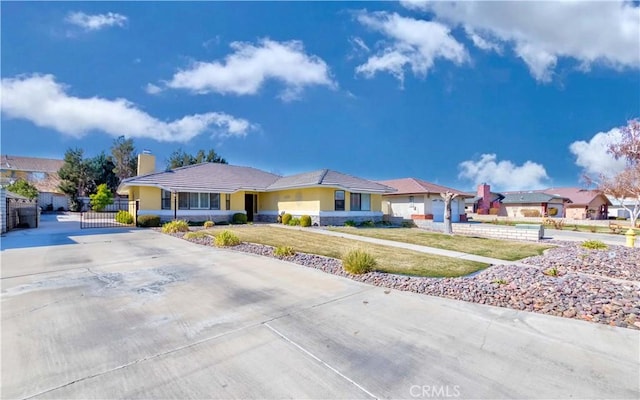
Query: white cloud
[[39, 99], [152, 89], [97, 21], [482, 42], [412, 42], [359, 44], [503, 175], [541, 33], [593, 156], [246, 70]]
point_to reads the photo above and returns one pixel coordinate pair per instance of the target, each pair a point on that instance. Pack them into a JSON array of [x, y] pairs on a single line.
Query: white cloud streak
[[593, 156], [247, 69], [504, 175], [412, 43], [96, 22], [44, 102], [541, 33]]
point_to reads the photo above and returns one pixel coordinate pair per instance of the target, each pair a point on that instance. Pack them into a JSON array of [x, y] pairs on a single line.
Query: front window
[[166, 200], [227, 201], [198, 201], [360, 202], [339, 200]]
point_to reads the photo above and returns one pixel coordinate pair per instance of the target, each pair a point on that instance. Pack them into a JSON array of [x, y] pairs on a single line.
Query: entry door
[[437, 208], [250, 205]]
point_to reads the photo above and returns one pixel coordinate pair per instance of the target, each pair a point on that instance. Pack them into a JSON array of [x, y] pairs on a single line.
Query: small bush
[[530, 213], [349, 222], [286, 218], [305, 221], [175, 226], [500, 281], [621, 218], [408, 224], [239, 218], [149, 221], [494, 211], [358, 262], [49, 207], [195, 235], [283, 251], [208, 224], [124, 217], [552, 211], [553, 271], [593, 228], [594, 245], [295, 221], [367, 224], [226, 239]]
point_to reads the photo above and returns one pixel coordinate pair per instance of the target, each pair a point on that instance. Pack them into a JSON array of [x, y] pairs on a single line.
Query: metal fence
[[21, 213], [106, 218]]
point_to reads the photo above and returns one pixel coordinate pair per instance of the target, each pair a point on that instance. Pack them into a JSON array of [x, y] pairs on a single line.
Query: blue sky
[[521, 95]]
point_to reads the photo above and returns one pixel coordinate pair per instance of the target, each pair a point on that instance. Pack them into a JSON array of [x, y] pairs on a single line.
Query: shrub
[[175, 226], [408, 224], [594, 245], [593, 229], [494, 211], [195, 235], [530, 212], [305, 221], [124, 217], [208, 224], [552, 211], [102, 198], [239, 218], [295, 221], [358, 262], [367, 224], [49, 207], [553, 271], [349, 222], [283, 251], [226, 239], [500, 281], [286, 218], [149, 221]]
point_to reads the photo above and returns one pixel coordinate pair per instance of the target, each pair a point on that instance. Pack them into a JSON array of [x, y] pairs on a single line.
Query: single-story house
[[585, 203], [616, 209], [418, 199], [213, 191], [483, 201], [41, 173], [532, 204]]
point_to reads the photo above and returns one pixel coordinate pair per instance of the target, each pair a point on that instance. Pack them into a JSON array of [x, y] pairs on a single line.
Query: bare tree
[[448, 196], [626, 184]]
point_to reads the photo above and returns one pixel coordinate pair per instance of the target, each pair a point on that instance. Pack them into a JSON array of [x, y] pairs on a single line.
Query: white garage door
[[455, 211], [437, 208]]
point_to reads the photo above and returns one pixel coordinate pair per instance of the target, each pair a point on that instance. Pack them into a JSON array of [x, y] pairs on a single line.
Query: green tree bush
[[102, 198], [23, 188]]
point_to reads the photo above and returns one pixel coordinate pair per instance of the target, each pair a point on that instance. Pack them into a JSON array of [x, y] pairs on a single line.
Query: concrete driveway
[[137, 314]]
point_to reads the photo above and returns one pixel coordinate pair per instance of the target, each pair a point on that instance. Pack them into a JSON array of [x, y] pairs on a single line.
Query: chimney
[[146, 163], [484, 192]]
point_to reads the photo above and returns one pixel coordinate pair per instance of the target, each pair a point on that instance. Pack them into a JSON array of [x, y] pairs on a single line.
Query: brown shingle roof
[[418, 186], [31, 164], [579, 197]]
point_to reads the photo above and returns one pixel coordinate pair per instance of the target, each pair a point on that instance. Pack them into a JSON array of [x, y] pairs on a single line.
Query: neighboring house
[[212, 191], [617, 211], [40, 172], [418, 199], [483, 201], [585, 203], [532, 204]]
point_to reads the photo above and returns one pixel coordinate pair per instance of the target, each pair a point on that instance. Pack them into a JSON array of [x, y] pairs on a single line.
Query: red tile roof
[[418, 186]]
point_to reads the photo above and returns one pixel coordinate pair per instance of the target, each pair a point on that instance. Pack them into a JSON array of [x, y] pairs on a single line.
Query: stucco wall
[[529, 233]]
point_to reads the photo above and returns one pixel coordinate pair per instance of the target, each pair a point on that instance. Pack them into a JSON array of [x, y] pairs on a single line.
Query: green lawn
[[494, 248], [389, 259]]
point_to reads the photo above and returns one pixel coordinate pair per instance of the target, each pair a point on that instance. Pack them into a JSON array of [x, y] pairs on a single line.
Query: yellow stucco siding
[[237, 200], [149, 198], [293, 200], [268, 201]]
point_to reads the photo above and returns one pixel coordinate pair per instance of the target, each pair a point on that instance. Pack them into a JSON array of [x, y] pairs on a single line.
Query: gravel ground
[[583, 287]]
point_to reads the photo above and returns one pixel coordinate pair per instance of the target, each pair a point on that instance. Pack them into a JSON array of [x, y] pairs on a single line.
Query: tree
[[124, 159], [102, 170], [102, 198], [448, 196], [626, 184], [23, 188], [75, 177], [180, 158]]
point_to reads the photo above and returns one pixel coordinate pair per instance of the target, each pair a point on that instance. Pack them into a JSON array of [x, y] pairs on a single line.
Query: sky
[[521, 95]]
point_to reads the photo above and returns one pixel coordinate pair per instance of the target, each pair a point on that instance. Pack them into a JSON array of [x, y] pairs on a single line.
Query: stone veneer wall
[[322, 220], [524, 232], [3, 209]]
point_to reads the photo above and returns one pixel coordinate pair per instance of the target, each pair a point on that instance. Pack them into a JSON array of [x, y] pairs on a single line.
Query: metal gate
[[107, 218]]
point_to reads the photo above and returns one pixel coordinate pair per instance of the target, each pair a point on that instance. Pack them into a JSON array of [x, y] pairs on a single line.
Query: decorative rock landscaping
[[601, 286]]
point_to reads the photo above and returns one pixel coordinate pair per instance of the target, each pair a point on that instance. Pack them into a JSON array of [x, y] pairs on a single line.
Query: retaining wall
[[533, 232]]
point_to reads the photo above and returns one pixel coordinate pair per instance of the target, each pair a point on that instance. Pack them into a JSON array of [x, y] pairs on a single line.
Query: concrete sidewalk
[[407, 246]]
